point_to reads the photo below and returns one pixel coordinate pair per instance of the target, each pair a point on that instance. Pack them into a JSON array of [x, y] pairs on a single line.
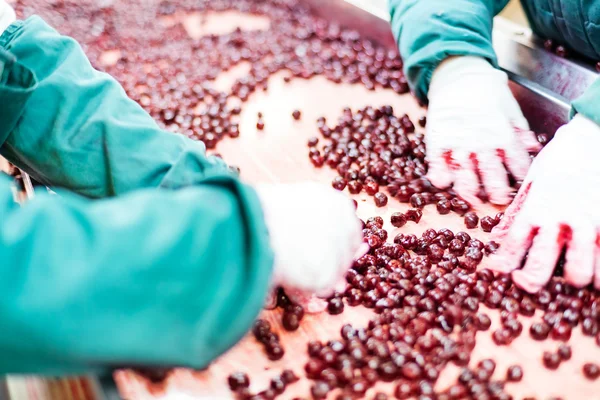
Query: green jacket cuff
[[420, 71], [430, 31], [228, 331], [587, 104], [180, 275]]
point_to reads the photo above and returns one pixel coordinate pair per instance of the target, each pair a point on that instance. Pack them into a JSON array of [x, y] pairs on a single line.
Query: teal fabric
[[81, 131], [577, 25], [429, 31], [153, 254], [574, 23], [588, 104]]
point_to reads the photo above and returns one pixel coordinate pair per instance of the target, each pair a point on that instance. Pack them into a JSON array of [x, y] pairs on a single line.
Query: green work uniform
[[153, 254], [428, 31]]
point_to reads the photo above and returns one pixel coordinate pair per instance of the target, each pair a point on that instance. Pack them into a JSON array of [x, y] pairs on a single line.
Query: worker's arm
[[155, 277], [556, 212], [587, 104], [476, 132], [556, 208], [430, 31], [159, 277], [71, 126]]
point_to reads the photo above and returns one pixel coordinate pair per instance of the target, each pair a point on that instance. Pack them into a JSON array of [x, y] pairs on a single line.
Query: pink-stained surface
[[279, 154]]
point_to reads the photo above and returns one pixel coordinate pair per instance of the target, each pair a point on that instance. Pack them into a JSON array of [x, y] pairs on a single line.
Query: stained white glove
[[557, 206], [314, 234], [7, 15], [475, 127]]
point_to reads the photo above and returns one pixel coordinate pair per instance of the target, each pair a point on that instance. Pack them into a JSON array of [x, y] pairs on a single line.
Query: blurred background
[[513, 11]]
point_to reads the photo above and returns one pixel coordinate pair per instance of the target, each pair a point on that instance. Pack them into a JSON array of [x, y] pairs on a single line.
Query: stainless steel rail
[[543, 83]]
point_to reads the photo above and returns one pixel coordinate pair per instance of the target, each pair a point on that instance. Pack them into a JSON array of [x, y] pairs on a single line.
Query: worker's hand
[[314, 234], [7, 15], [556, 207], [475, 131]]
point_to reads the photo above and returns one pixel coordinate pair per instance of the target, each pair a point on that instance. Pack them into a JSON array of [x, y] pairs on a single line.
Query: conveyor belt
[[543, 83]]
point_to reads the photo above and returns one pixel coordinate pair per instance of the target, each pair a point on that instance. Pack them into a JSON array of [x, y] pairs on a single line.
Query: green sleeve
[[428, 31], [587, 104], [79, 130], [155, 277]]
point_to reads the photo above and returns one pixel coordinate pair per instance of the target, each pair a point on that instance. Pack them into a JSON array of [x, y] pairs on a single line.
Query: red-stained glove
[[557, 206], [475, 130]]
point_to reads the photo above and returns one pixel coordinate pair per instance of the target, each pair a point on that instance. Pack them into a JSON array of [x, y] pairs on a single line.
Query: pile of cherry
[[428, 313], [425, 292], [170, 74], [371, 149]]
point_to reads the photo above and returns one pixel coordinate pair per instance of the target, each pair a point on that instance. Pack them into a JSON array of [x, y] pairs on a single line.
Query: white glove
[[314, 234], [556, 207], [7, 15], [474, 126]]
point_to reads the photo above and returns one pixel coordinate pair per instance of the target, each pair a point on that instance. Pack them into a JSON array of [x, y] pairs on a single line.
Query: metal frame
[[543, 83]]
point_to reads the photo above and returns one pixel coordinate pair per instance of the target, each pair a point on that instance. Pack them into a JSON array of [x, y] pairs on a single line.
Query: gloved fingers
[[513, 248], [441, 165], [329, 285], [344, 266], [356, 249], [500, 231], [514, 113], [323, 255], [271, 300], [527, 139], [517, 161], [341, 285], [344, 263], [363, 249], [580, 256], [349, 243], [342, 235], [541, 260], [466, 182], [520, 125], [494, 178], [349, 248], [306, 267], [311, 303]]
